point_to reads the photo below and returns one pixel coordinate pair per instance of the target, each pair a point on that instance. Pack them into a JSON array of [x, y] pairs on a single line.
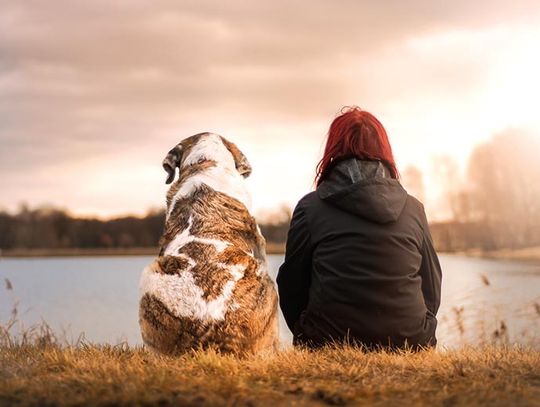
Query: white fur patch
[[236, 270], [186, 237], [184, 298], [210, 147], [262, 269], [222, 178]]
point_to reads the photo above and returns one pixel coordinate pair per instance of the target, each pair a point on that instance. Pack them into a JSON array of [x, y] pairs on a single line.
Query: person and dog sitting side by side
[[359, 266]]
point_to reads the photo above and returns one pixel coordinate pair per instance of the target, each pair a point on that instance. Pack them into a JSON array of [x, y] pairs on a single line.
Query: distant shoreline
[[530, 254], [526, 254], [271, 248]]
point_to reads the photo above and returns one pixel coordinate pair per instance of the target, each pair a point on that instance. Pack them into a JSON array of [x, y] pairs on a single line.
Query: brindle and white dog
[[209, 286]]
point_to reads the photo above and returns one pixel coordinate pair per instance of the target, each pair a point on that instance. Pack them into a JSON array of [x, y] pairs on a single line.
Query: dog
[[209, 286]]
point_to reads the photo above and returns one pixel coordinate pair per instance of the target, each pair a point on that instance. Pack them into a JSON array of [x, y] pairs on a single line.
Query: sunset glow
[[90, 106]]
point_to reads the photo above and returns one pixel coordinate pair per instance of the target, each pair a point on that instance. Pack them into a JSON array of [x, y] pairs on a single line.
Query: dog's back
[[209, 286]]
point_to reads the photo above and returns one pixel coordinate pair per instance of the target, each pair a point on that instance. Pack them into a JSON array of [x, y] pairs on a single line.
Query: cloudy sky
[[94, 93]]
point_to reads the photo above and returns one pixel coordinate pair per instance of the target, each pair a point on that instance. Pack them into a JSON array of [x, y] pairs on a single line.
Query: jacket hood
[[364, 188]]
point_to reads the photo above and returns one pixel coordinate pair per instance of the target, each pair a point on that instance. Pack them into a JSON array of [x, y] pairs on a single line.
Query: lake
[[482, 300]]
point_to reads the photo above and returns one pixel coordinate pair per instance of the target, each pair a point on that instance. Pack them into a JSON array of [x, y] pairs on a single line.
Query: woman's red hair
[[356, 133]]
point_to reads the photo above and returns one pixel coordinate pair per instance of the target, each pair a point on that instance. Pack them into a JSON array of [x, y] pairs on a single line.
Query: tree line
[[494, 204], [53, 228]]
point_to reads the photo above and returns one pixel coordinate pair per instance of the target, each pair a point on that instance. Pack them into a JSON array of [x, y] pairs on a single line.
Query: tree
[[413, 181], [454, 193], [505, 188]]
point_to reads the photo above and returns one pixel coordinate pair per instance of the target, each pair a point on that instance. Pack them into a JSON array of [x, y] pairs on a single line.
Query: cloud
[[89, 81]]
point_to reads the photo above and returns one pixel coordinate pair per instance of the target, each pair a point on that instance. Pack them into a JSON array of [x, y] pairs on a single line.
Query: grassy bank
[[106, 375]]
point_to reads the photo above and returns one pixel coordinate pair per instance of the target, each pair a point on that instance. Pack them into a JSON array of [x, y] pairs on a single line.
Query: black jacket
[[360, 263]]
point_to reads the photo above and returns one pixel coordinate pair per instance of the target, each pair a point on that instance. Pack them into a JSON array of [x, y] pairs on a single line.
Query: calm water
[[99, 296]]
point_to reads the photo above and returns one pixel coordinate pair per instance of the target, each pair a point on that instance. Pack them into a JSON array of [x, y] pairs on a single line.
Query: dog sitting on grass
[[209, 286]]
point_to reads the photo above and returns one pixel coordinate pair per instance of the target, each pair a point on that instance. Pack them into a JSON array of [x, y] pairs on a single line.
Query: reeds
[[37, 367]]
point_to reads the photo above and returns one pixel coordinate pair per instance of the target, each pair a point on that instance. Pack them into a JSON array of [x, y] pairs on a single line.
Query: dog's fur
[[209, 286]]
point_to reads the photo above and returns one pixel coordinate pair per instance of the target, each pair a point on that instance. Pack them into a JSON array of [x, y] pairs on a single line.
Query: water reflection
[[99, 296]]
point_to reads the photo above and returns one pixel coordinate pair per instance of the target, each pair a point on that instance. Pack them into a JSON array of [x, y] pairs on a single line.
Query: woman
[[360, 265]]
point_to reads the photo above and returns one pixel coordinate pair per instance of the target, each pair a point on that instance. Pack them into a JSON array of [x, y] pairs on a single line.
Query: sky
[[94, 93]]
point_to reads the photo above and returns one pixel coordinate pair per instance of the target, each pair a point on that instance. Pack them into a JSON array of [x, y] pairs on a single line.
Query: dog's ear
[[171, 161], [240, 161]]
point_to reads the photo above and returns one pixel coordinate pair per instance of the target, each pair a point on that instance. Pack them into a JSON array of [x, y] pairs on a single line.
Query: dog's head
[[205, 147]]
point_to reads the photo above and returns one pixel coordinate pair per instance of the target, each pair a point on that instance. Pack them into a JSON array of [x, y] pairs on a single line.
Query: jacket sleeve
[[430, 271], [294, 276]]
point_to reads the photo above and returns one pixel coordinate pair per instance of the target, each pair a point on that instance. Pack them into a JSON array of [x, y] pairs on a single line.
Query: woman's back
[[366, 238], [359, 263]]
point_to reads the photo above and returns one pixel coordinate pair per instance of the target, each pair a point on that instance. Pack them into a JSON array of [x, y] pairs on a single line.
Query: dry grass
[[47, 374], [38, 368]]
